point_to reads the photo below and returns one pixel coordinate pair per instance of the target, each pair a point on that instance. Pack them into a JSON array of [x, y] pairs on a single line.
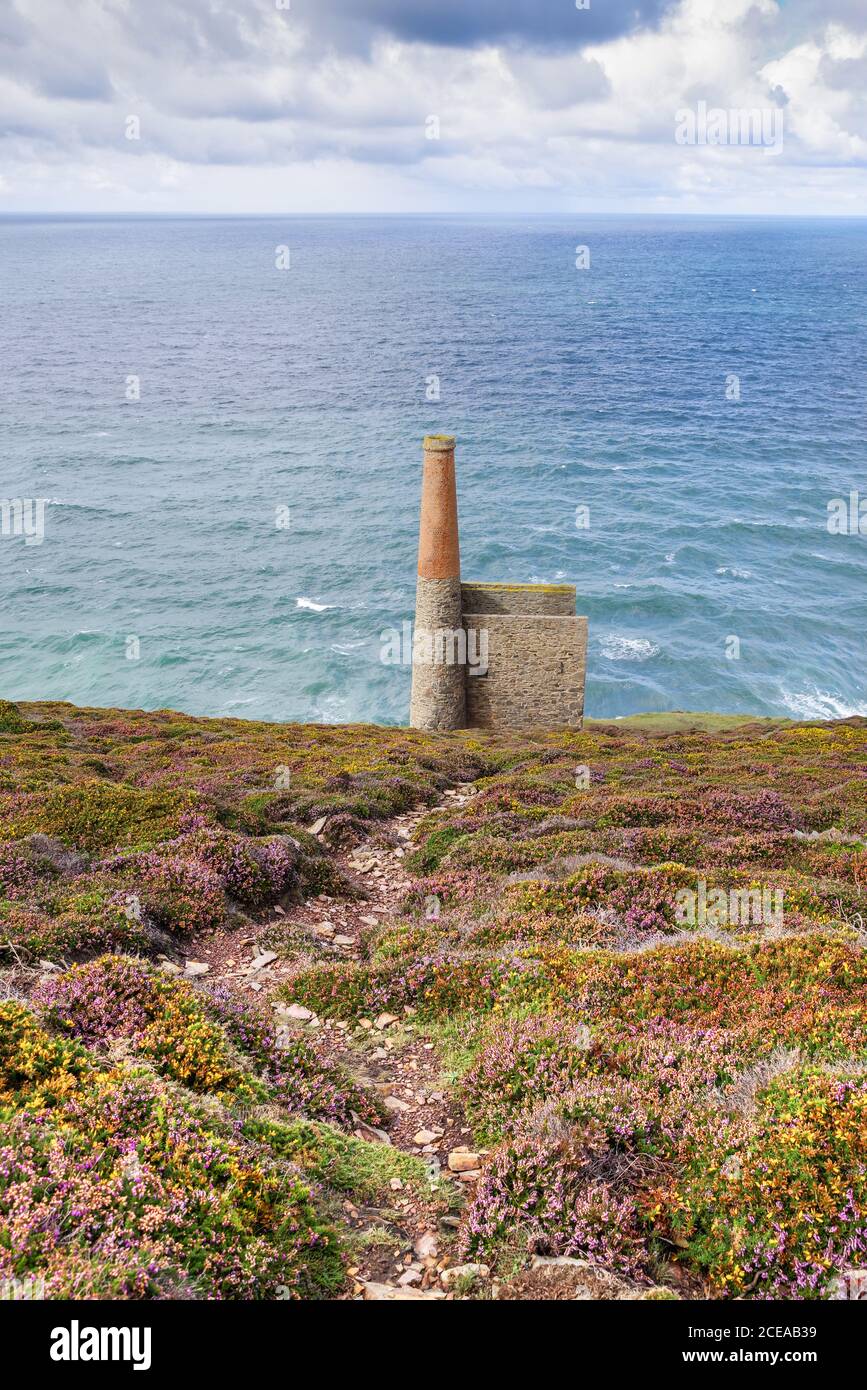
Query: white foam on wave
[[734, 572], [311, 606], [618, 648], [332, 709], [820, 704], [346, 648]]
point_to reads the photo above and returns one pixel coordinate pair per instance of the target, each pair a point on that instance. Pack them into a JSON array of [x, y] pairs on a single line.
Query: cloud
[[539, 105]]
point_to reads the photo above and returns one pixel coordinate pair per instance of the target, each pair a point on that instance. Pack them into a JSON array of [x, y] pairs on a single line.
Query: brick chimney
[[438, 698]]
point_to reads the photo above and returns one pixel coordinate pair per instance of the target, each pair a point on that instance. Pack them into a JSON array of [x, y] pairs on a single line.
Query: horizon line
[[479, 213]]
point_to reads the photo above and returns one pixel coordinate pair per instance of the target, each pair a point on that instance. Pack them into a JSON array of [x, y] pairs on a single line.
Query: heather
[[206, 1042], [607, 1040], [638, 953], [120, 829], [112, 1187], [742, 1158], [773, 1201], [118, 1181]]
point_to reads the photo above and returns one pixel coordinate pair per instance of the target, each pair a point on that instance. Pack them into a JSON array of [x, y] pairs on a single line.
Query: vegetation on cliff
[[639, 952]]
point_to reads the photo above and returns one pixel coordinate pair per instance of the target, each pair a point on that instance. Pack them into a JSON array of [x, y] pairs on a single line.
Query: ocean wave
[[734, 572], [820, 704], [618, 648], [311, 606]]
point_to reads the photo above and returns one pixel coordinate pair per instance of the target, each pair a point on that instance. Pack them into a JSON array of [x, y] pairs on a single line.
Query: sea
[[211, 453]]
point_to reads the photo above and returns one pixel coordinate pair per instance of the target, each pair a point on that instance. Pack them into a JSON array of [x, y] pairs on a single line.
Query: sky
[[431, 106]]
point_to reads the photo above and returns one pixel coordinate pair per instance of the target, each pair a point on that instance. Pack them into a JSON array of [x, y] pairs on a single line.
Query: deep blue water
[[305, 389]]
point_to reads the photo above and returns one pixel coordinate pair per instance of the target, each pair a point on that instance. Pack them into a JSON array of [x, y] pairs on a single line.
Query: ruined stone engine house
[[487, 655]]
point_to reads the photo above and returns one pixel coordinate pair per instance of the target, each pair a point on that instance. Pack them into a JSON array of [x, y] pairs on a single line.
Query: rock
[[396, 1184], [412, 1276], [259, 962], [366, 1131], [427, 1136], [50, 967], [392, 1103], [463, 1161], [426, 1245], [471, 1271], [298, 1011], [370, 921], [318, 826], [383, 1293], [386, 1020], [196, 967], [344, 940]]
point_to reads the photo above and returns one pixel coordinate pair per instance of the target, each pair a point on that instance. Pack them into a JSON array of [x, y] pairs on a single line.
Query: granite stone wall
[[536, 671], [549, 600], [438, 699], [528, 654]]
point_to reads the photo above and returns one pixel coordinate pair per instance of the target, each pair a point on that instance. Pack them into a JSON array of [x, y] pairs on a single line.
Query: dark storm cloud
[[468, 23]]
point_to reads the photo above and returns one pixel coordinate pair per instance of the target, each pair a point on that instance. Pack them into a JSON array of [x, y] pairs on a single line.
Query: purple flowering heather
[[541, 1186], [18, 874], [112, 997]]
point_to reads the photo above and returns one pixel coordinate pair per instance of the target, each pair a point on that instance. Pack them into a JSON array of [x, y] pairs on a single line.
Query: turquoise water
[[305, 389]]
